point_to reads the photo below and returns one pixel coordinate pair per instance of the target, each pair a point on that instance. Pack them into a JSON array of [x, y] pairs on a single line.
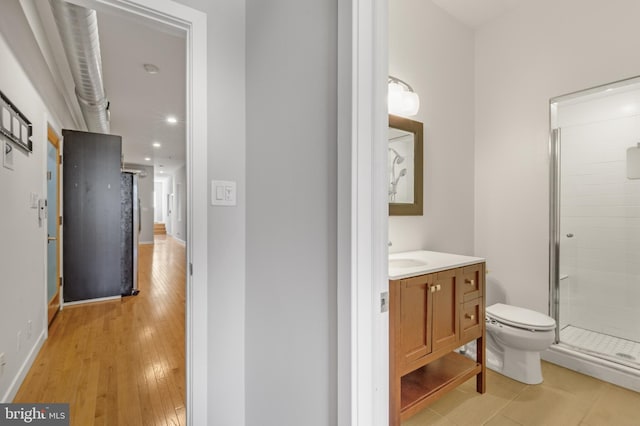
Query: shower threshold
[[615, 349]]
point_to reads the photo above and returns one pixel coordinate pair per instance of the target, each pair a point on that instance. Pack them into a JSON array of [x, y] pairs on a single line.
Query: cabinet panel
[[471, 319], [415, 312], [445, 310], [472, 282]]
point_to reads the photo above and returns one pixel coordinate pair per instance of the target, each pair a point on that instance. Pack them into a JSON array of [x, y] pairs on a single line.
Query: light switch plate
[[223, 193]]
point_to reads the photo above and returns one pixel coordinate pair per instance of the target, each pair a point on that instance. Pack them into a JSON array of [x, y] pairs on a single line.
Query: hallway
[[120, 362]]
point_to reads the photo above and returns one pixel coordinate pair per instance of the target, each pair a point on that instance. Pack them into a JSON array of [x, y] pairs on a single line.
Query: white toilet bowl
[[515, 338]]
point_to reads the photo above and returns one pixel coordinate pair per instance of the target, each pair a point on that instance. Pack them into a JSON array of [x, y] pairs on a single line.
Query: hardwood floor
[[120, 362]]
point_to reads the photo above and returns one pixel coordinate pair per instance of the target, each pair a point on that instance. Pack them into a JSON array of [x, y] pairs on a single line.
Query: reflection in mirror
[[400, 176], [404, 166]]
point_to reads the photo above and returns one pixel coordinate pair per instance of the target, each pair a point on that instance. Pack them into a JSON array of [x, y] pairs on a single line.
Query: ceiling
[[140, 102], [475, 13]]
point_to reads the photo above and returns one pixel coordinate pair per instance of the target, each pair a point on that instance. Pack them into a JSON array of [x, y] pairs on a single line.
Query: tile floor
[[565, 398]]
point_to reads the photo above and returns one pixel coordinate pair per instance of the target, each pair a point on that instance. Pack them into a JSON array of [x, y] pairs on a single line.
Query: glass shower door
[[597, 294]]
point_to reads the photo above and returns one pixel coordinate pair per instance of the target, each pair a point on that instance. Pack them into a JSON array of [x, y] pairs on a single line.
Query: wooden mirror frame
[[415, 127]]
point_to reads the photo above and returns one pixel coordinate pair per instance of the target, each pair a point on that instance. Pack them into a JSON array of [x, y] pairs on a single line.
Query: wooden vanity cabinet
[[430, 316]]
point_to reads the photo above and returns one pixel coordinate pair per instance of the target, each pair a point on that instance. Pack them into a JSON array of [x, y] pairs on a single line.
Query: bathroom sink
[[413, 263], [406, 263]]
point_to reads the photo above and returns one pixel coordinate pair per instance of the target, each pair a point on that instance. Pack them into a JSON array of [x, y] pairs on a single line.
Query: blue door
[[53, 226]]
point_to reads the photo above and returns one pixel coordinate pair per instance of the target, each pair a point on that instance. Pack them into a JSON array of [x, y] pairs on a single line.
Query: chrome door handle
[[569, 235], [51, 238]]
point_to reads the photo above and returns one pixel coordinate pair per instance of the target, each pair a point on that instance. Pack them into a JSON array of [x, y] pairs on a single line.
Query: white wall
[[159, 206], [600, 208], [23, 239], [291, 217], [435, 54], [540, 50], [179, 208]]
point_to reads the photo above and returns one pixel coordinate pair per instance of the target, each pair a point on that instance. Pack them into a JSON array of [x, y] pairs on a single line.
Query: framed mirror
[[404, 163]]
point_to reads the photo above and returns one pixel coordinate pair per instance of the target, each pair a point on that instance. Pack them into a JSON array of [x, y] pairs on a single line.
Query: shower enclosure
[[595, 229]]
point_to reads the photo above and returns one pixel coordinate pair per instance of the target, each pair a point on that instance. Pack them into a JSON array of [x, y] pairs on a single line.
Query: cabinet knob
[[433, 288], [470, 316], [470, 282], [438, 288]]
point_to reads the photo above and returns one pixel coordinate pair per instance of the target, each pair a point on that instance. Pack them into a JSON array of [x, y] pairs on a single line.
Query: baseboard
[[100, 299], [24, 369], [145, 242], [181, 242]]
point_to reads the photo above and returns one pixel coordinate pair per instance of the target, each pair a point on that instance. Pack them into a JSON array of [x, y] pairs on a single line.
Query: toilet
[[515, 338]]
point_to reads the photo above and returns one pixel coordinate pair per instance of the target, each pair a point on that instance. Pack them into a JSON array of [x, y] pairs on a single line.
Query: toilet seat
[[520, 317]]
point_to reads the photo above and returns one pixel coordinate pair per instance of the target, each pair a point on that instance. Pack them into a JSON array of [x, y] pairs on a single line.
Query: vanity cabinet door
[[415, 333], [445, 310], [471, 320]]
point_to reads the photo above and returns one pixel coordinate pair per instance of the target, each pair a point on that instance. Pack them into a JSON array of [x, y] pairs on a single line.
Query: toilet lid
[[520, 317]]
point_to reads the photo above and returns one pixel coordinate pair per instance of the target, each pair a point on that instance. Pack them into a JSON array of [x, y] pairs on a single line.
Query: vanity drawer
[[472, 282], [471, 320]]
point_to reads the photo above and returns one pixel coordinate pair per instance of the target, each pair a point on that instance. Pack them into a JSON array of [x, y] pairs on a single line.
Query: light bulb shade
[[403, 102]]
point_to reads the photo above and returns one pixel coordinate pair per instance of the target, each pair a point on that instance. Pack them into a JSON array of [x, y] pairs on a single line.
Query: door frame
[[363, 330], [52, 309], [194, 24]]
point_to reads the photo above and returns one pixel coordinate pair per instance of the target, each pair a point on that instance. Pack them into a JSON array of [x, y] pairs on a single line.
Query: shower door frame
[[554, 222]]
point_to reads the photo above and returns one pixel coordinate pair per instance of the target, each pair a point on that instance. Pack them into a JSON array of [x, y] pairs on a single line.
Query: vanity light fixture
[[402, 99], [172, 120], [156, 144], [147, 158]]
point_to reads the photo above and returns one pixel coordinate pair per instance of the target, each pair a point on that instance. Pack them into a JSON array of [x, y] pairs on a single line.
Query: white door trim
[[363, 339], [194, 23]]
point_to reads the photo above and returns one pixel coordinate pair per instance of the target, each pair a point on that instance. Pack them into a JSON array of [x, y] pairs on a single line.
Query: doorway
[[177, 18], [53, 225]]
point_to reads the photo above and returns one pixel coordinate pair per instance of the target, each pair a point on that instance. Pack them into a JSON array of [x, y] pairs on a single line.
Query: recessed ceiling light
[[151, 69], [156, 145], [147, 158], [172, 120], [161, 171]]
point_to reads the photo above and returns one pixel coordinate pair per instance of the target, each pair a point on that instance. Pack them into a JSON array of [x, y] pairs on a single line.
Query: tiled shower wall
[[600, 206]]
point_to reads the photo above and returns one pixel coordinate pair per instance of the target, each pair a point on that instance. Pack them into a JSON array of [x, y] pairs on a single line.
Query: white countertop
[[413, 263]]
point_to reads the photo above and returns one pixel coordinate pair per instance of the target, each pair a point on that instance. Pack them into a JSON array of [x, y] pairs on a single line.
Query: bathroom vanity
[[436, 305]]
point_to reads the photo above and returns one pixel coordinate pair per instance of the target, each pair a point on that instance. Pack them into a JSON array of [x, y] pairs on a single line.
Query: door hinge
[[384, 301], [190, 268], [60, 220], [60, 282], [48, 175], [60, 159]]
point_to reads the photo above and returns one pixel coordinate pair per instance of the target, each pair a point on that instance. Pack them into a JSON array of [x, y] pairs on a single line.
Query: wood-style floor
[[120, 362]]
